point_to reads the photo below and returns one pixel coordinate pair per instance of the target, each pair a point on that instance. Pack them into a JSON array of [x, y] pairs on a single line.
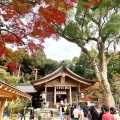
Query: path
[[37, 111], [27, 118]]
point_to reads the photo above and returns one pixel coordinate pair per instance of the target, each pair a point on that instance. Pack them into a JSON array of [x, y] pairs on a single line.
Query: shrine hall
[[62, 84]]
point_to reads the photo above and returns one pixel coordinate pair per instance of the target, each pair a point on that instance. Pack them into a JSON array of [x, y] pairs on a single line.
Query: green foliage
[[49, 67], [24, 58], [72, 30], [39, 117], [112, 27], [83, 67], [28, 63], [22, 79], [27, 60], [114, 66], [40, 60], [14, 107], [7, 78], [82, 104]]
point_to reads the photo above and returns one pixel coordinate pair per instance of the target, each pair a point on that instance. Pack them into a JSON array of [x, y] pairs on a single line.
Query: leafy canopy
[[27, 23]]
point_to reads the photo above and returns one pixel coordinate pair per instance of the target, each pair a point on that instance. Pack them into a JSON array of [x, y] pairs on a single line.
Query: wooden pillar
[[70, 96], [54, 95], [77, 95], [45, 93], [2, 107]]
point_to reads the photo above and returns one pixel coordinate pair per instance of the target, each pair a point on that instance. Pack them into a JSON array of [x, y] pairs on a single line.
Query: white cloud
[[61, 50]]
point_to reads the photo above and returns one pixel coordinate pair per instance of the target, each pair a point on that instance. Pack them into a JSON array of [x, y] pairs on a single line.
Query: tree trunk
[[101, 75], [19, 71], [106, 89], [109, 100], [100, 69], [108, 97]]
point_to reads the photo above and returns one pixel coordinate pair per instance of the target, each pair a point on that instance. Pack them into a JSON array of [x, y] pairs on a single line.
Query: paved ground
[[27, 118], [37, 112]]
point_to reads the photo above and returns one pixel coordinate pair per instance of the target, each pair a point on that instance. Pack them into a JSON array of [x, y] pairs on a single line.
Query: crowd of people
[[73, 112]]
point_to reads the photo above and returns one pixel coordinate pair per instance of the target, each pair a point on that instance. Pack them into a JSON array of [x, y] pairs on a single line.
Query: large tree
[[100, 25]]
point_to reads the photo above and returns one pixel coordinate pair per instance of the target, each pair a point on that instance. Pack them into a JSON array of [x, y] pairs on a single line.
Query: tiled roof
[[63, 68], [26, 88]]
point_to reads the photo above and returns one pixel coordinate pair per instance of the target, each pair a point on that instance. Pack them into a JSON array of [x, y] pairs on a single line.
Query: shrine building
[[62, 84]]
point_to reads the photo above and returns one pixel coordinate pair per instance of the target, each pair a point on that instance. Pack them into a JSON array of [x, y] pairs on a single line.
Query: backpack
[[22, 112], [67, 111], [85, 110]]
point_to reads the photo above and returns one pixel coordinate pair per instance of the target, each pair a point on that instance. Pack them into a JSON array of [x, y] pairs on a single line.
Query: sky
[[61, 49]]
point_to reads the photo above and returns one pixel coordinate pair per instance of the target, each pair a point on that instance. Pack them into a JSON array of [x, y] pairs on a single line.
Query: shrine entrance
[[62, 93], [60, 97]]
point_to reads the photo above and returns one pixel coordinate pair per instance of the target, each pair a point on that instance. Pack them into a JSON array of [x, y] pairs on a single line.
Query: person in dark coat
[[94, 113], [71, 112], [101, 113], [86, 110], [22, 113], [32, 114]]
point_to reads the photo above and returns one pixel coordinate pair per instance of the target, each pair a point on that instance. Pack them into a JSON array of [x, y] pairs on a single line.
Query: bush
[[82, 104], [39, 117]]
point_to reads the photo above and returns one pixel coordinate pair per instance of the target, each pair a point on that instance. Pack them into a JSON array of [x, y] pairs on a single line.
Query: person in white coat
[[76, 113]]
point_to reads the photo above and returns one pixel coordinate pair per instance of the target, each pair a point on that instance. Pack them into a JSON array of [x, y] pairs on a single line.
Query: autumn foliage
[[91, 3], [25, 25], [92, 92]]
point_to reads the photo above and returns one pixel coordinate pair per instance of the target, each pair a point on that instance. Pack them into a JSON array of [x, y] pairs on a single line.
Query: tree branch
[[12, 34]]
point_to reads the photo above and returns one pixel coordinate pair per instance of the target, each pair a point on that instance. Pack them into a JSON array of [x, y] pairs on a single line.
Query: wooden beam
[[13, 99], [1, 86], [6, 93]]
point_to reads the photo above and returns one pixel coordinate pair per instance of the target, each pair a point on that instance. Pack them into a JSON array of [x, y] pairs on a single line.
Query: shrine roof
[[27, 88], [59, 72]]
